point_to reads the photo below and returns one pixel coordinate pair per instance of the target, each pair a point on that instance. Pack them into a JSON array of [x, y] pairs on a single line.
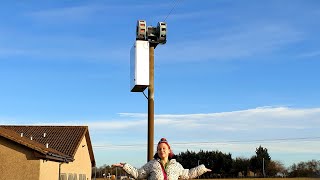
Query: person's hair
[[171, 155]]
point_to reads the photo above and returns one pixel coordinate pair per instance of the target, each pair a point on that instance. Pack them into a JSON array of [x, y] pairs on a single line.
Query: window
[[63, 176], [82, 177], [72, 176]]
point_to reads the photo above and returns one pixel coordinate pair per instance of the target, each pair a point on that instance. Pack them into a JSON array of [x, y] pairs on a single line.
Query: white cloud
[[261, 118], [87, 12], [5, 52], [5, 120], [310, 54], [283, 129], [287, 152], [72, 13], [251, 119], [116, 125], [235, 131], [252, 40], [310, 146], [60, 47], [189, 15]]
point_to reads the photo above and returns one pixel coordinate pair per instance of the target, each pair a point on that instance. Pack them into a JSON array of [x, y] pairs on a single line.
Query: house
[[45, 153]]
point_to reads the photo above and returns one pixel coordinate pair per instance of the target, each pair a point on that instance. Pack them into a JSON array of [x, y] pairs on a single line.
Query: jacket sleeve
[[141, 173], [192, 173]]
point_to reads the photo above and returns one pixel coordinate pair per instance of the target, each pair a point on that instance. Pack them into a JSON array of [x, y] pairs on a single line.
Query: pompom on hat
[[164, 140]]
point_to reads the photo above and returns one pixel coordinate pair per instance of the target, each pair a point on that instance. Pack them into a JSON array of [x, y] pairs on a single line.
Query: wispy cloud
[[286, 152], [296, 122], [7, 52], [280, 129], [243, 120], [310, 54], [73, 13], [60, 47], [188, 16], [6, 120], [252, 40], [272, 117], [280, 147], [86, 12]]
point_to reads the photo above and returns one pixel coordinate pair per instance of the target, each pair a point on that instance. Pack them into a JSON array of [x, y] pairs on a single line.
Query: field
[[250, 179]]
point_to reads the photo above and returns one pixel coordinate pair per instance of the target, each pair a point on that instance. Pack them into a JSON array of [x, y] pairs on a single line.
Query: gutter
[[59, 177], [59, 157], [54, 157]]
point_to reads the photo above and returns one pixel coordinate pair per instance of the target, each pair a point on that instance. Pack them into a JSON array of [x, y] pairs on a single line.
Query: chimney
[[44, 135], [47, 145], [31, 138], [21, 134]]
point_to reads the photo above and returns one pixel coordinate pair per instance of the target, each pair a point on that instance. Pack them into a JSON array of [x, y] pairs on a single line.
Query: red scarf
[[164, 172]]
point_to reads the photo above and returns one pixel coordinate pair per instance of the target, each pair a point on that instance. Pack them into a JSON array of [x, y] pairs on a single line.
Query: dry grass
[[268, 179], [253, 179]]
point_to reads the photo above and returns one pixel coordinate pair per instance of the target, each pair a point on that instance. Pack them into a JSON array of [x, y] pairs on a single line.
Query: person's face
[[163, 150]]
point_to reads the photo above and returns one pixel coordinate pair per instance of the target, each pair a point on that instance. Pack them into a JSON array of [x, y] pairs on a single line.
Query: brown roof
[[61, 139], [40, 149]]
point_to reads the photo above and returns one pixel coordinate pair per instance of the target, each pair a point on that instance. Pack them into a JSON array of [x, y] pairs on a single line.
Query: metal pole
[[198, 165], [59, 171], [151, 103], [264, 175]]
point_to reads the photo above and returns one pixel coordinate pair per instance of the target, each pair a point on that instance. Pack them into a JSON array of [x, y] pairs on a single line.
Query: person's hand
[[208, 170], [118, 165]]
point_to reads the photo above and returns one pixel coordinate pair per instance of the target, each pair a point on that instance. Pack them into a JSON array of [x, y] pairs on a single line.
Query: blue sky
[[233, 75]]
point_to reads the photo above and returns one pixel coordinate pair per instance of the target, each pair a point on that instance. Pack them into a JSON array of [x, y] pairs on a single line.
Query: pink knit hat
[[164, 140]]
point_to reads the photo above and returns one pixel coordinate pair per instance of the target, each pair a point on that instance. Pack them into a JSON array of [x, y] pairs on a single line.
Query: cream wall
[[81, 163], [49, 170], [17, 162]]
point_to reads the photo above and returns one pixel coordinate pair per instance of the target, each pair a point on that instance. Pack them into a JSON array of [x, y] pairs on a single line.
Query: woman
[[163, 166]]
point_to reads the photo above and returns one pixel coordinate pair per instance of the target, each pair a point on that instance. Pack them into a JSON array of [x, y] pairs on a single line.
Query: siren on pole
[[141, 30], [146, 36], [156, 35]]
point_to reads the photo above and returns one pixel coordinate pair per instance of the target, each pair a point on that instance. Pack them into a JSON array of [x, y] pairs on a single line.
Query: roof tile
[[64, 139]]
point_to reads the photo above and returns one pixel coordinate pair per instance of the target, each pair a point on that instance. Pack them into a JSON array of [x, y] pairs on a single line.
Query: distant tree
[[305, 169], [276, 168], [254, 167], [188, 159], [314, 167], [260, 161], [106, 169], [240, 165], [220, 163]]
